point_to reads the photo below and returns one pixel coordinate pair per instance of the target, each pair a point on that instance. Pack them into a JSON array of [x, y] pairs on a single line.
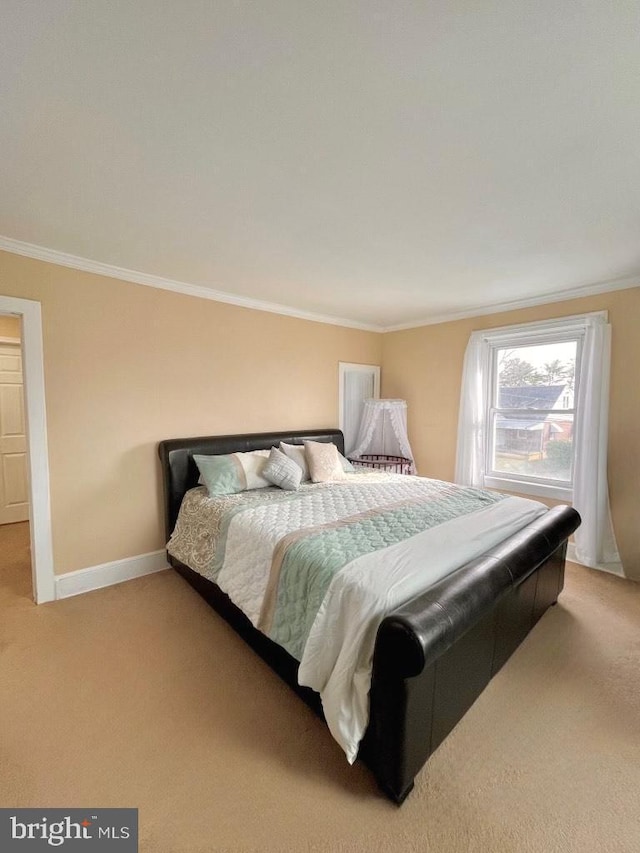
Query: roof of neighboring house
[[531, 424], [529, 396]]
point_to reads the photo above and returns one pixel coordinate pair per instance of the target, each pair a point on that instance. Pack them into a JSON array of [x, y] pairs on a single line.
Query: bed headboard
[[179, 471]]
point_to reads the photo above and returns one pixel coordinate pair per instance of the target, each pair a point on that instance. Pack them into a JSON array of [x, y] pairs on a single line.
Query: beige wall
[[127, 366], [10, 327], [424, 366]]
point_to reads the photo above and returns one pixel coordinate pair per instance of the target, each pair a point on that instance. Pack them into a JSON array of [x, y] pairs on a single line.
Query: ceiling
[[384, 163]]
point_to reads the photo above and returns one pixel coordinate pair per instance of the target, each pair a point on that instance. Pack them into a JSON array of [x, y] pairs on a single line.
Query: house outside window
[[531, 414]]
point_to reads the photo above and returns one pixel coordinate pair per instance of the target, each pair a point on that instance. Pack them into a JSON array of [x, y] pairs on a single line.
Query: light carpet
[[140, 695]]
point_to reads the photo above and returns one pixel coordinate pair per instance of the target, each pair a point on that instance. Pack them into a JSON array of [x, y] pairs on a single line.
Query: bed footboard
[[436, 654]]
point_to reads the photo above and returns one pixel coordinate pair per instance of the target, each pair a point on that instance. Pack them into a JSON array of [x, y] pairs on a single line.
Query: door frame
[[30, 312]]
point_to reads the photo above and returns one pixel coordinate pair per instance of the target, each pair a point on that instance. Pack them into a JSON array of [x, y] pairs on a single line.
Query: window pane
[[534, 446], [536, 377]]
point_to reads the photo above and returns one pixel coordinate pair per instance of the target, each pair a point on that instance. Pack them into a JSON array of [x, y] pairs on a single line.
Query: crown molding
[[63, 259], [499, 308], [53, 256]]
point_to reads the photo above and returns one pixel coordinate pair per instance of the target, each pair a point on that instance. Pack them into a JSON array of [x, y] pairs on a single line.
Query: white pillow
[[253, 464], [324, 462], [282, 471], [297, 453], [347, 467]]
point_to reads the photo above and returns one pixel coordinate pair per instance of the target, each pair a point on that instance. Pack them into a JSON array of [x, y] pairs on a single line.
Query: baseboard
[[108, 574]]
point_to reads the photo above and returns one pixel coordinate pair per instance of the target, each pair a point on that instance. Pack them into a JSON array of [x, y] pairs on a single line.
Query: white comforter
[[337, 658]]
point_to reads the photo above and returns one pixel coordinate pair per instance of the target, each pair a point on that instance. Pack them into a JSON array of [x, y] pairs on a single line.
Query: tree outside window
[[532, 414]]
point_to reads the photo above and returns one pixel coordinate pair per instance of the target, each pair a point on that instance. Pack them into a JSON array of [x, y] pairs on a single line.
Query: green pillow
[[230, 473]]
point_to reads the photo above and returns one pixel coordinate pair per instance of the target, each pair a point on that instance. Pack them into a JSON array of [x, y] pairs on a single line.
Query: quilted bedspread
[[317, 569]]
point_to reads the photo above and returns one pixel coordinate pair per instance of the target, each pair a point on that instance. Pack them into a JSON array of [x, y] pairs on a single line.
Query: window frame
[[563, 330]]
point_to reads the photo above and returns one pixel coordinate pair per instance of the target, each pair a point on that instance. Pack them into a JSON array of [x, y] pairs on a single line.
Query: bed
[[434, 653]]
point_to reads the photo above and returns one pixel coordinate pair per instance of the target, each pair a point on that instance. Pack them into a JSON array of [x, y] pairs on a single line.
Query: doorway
[[15, 562], [14, 493], [32, 491]]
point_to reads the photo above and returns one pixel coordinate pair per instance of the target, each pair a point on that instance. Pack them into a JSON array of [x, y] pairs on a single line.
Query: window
[[534, 414], [531, 412]]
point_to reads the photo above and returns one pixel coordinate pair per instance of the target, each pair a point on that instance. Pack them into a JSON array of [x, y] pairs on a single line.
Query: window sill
[[538, 490]]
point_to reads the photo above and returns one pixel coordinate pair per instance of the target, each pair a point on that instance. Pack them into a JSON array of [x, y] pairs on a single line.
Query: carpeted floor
[[139, 695]]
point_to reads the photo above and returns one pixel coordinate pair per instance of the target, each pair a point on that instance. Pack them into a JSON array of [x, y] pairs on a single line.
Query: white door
[[358, 382], [14, 492]]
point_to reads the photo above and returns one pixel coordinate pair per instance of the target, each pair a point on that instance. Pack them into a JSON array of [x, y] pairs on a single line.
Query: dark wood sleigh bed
[[435, 654]]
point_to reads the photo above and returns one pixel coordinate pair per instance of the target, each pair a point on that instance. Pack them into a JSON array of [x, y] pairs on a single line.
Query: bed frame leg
[[398, 798]]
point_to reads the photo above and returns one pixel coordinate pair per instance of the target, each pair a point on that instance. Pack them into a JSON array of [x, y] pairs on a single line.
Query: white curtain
[[358, 386], [595, 544], [383, 429], [473, 413]]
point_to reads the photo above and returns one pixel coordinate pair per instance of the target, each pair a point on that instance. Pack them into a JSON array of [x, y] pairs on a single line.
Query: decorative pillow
[[230, 473], [347, 467], [297, 453], [324, 461], [282, 471]]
